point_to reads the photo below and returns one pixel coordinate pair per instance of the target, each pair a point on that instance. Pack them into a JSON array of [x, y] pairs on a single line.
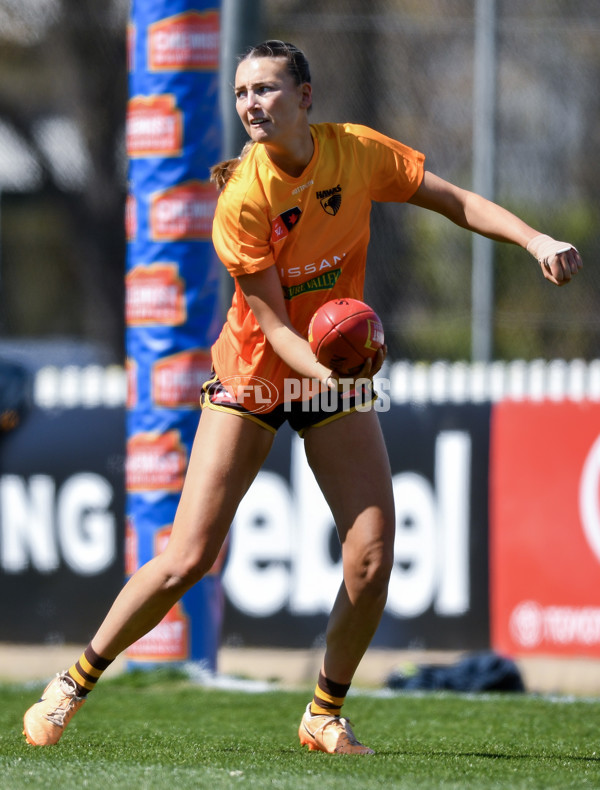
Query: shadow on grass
[[487, 755]]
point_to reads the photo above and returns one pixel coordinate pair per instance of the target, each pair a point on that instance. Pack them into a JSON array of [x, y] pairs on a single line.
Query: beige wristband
[[544, 247]]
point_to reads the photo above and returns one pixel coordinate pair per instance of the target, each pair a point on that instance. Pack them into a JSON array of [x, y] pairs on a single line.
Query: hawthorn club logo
[[330, 199]]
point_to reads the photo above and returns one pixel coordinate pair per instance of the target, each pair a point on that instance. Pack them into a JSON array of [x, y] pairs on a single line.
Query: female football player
[[292, 228]]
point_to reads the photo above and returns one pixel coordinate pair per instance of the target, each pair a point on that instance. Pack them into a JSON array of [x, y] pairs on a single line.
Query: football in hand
[[344, 333]]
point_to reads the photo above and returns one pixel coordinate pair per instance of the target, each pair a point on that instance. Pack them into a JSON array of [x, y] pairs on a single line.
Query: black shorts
[[300, 414]]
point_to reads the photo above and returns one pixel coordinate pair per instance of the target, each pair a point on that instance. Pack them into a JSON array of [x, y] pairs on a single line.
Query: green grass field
[[156, 730]]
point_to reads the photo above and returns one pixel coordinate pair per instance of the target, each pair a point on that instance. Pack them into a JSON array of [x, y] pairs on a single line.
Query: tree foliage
[[63, 91]]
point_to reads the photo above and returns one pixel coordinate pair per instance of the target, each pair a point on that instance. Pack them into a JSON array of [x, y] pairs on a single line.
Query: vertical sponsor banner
[[172, 287], [545, 528]]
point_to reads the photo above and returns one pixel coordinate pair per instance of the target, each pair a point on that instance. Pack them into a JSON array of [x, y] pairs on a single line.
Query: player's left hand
[[371, 367], [559, 260]]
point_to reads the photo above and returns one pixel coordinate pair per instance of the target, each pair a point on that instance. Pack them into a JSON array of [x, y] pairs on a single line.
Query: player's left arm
[[559, 261], [262, 291]]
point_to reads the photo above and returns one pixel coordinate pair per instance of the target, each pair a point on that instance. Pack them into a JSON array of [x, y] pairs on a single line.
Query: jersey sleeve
[[241, 233], [395, 170]]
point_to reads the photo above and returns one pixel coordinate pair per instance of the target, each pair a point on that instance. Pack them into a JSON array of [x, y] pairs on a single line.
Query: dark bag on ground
[[15, 395], [477, 672]]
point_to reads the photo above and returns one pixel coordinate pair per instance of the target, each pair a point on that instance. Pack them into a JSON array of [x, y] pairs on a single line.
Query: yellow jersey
[[314, 229]]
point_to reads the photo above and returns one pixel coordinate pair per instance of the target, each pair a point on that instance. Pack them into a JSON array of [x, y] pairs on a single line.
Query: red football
[[343, 333]]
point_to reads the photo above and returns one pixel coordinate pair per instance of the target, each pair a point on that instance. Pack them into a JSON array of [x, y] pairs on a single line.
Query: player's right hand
[[559, 260]]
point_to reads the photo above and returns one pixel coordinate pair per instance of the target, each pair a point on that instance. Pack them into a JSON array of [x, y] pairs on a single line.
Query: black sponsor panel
[[448, 446], [62, 533], [283, 566], [61, 523]]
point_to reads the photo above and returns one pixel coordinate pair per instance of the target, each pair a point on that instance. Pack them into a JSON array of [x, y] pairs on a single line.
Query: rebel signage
[[284, 566]]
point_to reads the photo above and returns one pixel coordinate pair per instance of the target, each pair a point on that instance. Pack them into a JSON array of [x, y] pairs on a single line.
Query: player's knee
[[379, 574], [186, 570], [371, 573]]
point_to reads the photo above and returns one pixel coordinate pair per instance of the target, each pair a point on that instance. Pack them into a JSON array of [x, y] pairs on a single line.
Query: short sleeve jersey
[[314, 229]]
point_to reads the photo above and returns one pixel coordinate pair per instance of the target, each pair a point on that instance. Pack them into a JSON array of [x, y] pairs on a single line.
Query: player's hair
[[296, 59], [299, 70]]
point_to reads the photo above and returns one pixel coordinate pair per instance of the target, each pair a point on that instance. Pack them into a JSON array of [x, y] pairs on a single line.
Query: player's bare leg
[[350, 462], [227, 453]]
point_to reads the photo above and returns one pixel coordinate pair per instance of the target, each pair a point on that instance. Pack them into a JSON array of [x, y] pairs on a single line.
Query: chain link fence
[[406, 68]]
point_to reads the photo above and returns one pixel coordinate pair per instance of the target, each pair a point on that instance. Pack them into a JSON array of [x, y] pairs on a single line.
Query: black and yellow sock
[[86, 671], [329, 697]]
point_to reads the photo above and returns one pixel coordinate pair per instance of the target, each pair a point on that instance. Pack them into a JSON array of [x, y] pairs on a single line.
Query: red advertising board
[[545, 528]]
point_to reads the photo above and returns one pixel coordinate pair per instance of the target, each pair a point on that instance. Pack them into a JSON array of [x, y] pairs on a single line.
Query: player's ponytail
[[222, 172]]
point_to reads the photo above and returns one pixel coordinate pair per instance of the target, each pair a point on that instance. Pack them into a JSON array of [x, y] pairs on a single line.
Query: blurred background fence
[[404, 67]]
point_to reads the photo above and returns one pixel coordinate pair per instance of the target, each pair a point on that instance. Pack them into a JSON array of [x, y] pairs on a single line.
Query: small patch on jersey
[[284, 223]]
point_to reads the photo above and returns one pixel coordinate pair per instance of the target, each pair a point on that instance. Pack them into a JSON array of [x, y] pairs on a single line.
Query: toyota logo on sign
[[527, 624], [589, 498]]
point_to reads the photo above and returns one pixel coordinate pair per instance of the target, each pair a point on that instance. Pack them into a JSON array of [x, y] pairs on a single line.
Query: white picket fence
[[461, 382], [90, 387], [94, 386]]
